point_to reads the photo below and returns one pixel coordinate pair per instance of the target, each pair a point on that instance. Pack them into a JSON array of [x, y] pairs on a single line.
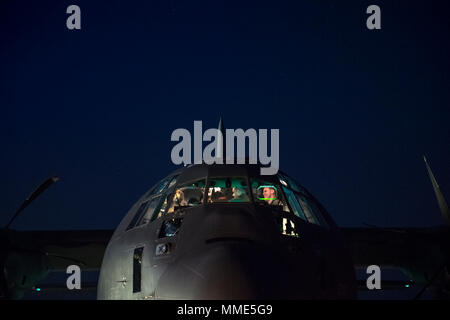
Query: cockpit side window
[[308, 212], [294, 204], [312, 211], [172, 182], [302, 204], [137, 215], [291, 183], [161, 186], [228, 189], [152, 205], [287, 182], [144, 212], [268, 194], [184, 196]]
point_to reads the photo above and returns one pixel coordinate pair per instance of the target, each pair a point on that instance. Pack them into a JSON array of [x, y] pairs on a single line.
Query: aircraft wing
[[26, 257], [422, 254], [30, 255], [62, 248]]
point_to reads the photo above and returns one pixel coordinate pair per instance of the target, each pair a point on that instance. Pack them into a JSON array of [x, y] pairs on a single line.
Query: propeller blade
[[47, 183], [445, 212]]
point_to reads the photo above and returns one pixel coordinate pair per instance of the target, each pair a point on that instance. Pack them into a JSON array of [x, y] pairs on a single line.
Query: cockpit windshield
[[184, 196], [229, 189]]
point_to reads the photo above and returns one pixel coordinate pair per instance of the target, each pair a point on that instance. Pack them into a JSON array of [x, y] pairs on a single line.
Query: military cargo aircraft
[[227, 232]]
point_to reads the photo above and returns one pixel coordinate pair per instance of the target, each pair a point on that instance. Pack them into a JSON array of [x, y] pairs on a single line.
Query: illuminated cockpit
[[229, 189], [203, 217], [205, 185]]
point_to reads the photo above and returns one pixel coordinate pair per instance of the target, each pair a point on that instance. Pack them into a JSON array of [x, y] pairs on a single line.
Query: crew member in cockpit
[[239, 195], [178, 200], [271, 196]]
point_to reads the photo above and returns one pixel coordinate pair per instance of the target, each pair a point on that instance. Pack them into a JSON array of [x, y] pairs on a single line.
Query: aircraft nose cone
[[230, 270]]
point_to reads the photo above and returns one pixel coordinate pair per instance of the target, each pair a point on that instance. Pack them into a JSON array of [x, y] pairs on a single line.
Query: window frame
[[169, 192], [279, 188], [314, 207], [304, 218], [245, 179], [139, 215], [167, 182]]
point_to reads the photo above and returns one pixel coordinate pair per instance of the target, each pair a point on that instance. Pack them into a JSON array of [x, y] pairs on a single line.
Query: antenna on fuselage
[[445, 212], [221, 148]]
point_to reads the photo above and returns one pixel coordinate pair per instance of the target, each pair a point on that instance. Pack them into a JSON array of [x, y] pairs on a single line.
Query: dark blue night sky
[[356, 108]]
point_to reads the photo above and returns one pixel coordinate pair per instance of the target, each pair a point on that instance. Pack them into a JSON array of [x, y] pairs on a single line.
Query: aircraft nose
[[230, 270]]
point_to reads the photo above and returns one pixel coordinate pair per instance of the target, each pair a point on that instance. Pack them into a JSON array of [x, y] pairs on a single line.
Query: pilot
[[219, 196], [270, 194], [239, 195], [195, 197], [178, 200]]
